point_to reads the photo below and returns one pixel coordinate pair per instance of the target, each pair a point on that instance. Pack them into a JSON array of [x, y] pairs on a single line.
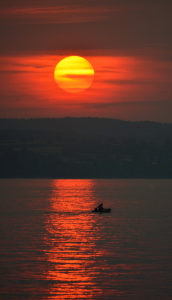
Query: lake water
[[53, 247]]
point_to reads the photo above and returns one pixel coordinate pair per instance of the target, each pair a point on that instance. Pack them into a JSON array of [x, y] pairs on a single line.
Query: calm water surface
[[53, 247]]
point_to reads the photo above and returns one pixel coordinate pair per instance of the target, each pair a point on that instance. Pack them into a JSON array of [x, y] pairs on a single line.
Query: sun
[[74, 74]]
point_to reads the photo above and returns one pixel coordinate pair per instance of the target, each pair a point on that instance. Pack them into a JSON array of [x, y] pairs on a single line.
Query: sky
[[128, 43]]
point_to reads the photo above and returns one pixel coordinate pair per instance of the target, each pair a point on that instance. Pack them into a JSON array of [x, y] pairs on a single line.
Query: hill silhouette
[[85, 148], [91, 126]]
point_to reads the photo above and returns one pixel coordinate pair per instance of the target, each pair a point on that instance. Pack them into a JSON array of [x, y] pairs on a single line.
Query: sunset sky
[[128, 43]]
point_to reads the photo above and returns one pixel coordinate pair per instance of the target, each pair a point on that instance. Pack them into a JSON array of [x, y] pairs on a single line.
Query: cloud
[[71, 13], [105, 105], [127, 82]]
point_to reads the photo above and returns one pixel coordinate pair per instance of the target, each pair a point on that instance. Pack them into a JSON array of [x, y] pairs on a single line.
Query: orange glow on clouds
[[28, 89]]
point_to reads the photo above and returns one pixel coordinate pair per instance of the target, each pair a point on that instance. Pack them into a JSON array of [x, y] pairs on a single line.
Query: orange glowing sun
[[74, 74]]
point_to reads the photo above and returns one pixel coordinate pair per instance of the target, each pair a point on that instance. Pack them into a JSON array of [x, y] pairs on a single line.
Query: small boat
[[104, 210]]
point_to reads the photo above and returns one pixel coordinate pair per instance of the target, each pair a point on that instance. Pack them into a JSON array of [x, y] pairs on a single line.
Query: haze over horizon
[[128, 44]]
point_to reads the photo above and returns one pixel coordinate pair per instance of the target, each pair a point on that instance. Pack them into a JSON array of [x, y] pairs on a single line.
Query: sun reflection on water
[[71, 236]]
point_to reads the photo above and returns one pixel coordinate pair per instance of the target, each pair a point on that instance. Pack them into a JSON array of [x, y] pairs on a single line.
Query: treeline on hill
[[84, 148]]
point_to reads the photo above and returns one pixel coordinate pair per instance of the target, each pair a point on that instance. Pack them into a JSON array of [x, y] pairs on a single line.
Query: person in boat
[[100, 207]]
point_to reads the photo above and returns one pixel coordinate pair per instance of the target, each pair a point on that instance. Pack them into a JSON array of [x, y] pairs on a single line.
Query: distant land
[[84, 148]]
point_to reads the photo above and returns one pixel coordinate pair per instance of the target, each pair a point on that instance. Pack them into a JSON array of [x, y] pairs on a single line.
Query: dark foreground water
[[53, 247]]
